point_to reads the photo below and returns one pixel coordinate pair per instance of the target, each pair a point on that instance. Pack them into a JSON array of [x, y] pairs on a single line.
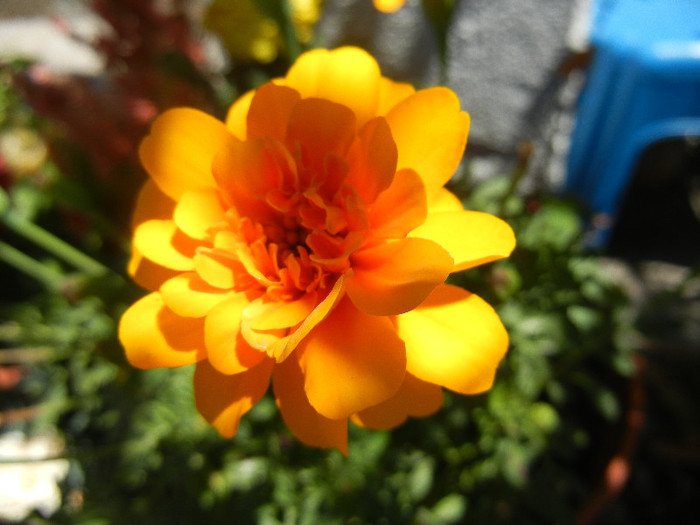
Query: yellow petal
[[236, 119], [178, 153], [391, 93], [454, 339], [399, 209], [395, 277], [161, 242], [310, 427], [347, 75], [223, 399], [189, 296], [351, 361], [430, 132], [146, 273], [197, 211], [153, 336], [471, 237], [415, 398], [151, 203], [283, 314], [444, 200], [227, 351]]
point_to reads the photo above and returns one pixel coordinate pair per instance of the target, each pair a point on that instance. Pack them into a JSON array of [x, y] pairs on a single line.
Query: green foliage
[[528, 451]]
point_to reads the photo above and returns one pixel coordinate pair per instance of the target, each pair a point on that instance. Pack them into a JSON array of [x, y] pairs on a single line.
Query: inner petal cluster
[[296, 205]]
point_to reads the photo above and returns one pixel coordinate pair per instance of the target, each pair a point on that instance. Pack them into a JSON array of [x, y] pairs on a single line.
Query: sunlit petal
[[454, 339], [399, 209], [161, 242], [227, 351], [222, 399], [197, 211], [391, 93], [472, 238], [152, 203], [348, 76], [154, 336], [188, 295], [178, 153], [308, 426], [394, 277], [434, 147], [350, 362], [146, 273], [415, 398], [236, 118]]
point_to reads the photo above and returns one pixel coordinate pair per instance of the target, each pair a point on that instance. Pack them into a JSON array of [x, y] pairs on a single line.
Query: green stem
[[54, 245], [289, 31], [51, 277]]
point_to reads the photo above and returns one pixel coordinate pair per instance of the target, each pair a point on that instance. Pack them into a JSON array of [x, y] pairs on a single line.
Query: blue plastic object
[[643, 86]]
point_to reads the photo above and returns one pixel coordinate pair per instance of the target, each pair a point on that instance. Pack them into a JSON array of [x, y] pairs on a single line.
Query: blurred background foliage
[[552, 442]]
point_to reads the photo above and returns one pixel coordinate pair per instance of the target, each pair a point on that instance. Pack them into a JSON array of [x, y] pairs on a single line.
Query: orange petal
[[161, 242], [151, 203], [430, 132], [415, 398], [178, 153], [197, 211], [351, 361], [283, 314], [395, 277], [227, 351], [454, 339], [189, 296], [347, 75], [236, 119], [372, 160], [320, 127], [270, 110], [310, 427], [223, 399], [146, 273], [471, 237], [444, 200], [215, 268], [399, 209], [153, 336], [391, 93], [247, 171], [287, 345]]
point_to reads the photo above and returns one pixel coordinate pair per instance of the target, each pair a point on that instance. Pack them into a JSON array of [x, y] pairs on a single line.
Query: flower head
[[305, 242]]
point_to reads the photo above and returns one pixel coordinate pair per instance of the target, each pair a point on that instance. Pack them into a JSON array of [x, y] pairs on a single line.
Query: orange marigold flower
[[306, 241]]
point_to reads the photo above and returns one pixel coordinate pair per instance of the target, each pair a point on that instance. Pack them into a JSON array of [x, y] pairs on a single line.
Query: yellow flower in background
[[245, 32], [248, 34], [388, 6], [305, 242]]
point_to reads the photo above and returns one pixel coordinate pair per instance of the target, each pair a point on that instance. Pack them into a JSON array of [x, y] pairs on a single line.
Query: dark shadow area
[[660, 215]]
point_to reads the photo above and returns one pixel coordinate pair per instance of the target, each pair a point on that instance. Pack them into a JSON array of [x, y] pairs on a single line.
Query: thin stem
[[53, 244], [50, 277]]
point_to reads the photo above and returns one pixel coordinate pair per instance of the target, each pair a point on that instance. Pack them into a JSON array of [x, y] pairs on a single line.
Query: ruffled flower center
[[296, 203]]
